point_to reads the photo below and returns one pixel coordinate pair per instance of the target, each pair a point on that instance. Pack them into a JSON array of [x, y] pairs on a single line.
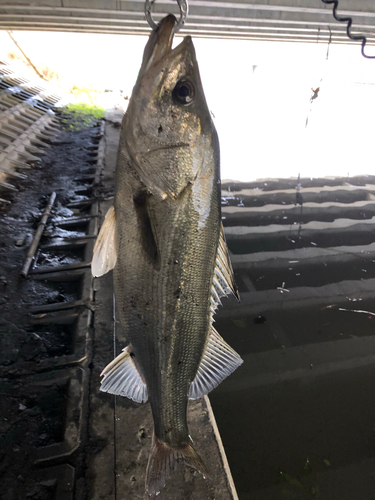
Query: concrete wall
[[278, 20]]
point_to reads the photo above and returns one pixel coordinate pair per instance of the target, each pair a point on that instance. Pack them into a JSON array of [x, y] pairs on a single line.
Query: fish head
[[168, 126]]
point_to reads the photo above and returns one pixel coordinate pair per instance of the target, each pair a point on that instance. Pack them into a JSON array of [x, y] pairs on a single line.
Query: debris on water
[[290, 479], [313, 243], [22, 407], [20, 242], [356, 311], [292, 261], [260, 320], [282, 288]]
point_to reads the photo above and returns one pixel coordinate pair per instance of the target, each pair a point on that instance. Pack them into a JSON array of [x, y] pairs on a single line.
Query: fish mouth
[[159, 45]]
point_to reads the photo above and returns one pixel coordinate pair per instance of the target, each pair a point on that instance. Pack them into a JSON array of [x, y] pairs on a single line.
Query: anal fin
[[121, 377], [219, 360]]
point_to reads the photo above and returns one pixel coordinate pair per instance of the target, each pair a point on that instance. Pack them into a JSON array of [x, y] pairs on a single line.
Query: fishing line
[[349, 21], [298, 201], [315, 92], [299, 196]]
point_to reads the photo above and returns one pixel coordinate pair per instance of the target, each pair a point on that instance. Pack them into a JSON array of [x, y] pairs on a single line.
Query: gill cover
[[167, 125]]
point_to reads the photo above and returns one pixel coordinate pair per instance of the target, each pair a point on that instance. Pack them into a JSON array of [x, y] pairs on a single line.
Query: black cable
[[349, 22]]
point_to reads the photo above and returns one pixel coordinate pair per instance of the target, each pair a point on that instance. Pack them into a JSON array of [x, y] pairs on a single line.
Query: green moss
[[80, 115], [86, 109]]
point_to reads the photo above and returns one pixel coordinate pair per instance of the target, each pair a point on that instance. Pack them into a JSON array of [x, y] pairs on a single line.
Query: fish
[[165, 242]]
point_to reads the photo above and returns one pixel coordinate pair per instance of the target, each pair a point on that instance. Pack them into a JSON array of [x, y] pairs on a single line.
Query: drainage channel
[[27, 125], [46, 320]]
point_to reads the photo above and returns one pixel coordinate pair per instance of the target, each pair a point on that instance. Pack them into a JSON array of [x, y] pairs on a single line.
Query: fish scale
[[194, 325], [165, 243]]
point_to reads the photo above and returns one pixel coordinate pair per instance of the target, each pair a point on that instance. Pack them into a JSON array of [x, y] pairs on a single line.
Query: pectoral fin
[[121, 377], [105, 251], [219, 360]]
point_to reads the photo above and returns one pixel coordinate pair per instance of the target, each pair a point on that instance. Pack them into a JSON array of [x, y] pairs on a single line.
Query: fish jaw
[[165, 139], [159, 44]]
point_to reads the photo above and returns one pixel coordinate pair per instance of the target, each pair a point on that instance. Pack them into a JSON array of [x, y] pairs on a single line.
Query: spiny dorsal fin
[[224, 277], [105, 252], [121, 377], [219, 360]]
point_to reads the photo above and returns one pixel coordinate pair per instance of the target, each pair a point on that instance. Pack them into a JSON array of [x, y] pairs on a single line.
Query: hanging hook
[[184, 9]]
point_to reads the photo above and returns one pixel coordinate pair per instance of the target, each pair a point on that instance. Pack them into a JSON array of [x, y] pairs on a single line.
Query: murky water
[[297, 419]]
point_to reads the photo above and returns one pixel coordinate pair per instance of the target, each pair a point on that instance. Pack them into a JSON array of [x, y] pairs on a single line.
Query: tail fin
[[162, 461]]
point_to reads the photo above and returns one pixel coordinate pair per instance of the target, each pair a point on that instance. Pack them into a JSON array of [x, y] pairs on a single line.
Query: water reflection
[[298, 418]]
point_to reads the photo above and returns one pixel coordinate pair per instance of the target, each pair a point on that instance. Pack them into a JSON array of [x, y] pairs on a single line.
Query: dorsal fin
[[223, 280], [105, 252], [218, 361], [121, 377], [224, 276]]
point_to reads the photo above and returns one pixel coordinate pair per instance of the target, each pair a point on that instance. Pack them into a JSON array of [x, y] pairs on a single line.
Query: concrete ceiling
[[277, 20]]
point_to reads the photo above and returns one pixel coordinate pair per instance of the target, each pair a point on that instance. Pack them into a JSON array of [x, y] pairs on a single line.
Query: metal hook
[[184, 10]]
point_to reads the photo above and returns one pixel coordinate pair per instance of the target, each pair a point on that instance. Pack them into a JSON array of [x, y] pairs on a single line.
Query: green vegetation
[[80, 115], [85, 109], [87, 95]]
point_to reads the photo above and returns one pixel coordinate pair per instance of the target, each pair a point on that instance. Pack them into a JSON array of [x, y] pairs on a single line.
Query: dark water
[[297, 419]]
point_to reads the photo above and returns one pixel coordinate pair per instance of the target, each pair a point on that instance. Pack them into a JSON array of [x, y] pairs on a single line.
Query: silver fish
[[165, 242]]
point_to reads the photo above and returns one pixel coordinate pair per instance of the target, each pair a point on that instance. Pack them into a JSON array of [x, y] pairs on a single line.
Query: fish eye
[[183, 92]]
